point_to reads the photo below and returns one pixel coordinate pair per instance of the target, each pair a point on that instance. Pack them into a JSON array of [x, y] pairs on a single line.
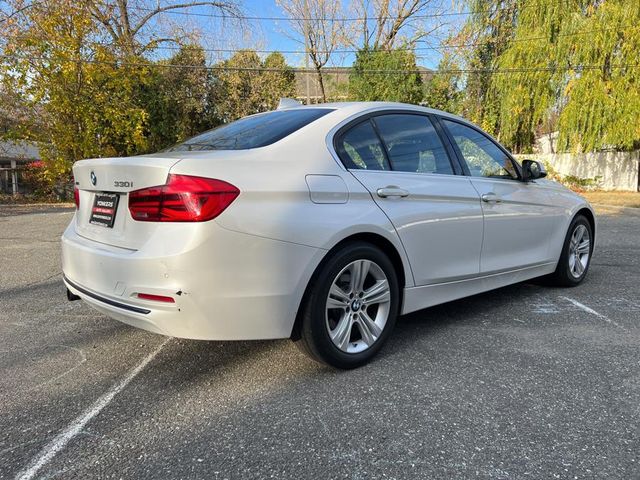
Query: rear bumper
[[100, 299], [226, 285]]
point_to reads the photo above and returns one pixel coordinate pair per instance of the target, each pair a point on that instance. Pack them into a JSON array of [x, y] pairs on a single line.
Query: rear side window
[[252, 132], [360, 148], [413, 144]]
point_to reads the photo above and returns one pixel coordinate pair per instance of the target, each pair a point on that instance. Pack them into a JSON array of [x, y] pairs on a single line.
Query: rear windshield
[[252, 132]]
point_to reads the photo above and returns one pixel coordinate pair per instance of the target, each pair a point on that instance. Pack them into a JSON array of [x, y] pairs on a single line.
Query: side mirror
[[532, 170]]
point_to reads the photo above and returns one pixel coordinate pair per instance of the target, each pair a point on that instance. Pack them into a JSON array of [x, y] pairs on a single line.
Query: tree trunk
[[321, 82]]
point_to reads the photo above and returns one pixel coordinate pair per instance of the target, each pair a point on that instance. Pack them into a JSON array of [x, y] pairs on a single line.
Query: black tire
[[563, 276], [313, 334]]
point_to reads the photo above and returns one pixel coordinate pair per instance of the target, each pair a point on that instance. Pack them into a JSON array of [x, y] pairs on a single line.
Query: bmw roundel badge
[[94, 179]]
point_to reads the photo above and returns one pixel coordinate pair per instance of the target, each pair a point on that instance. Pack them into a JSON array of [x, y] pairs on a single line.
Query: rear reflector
[[76, 196], [156, 298], [182, 199]]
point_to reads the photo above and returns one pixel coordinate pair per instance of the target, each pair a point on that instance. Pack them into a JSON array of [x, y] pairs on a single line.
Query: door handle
[[491, 197], [392, 191]]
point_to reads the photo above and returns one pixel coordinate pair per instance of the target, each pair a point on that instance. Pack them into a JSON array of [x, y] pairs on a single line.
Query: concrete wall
[[617, 170]]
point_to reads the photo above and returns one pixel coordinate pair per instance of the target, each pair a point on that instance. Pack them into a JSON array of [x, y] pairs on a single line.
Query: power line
[[353, 50], [331, 70], [314, 19], [295, 19], [406, 49], [181, 11]]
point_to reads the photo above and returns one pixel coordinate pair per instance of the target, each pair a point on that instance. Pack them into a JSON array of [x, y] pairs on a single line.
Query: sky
[[276, 33], [273, 34]]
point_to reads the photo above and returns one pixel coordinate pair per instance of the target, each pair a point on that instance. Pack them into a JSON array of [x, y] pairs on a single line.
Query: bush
[[577, 184], [34, 178], [41, 186]]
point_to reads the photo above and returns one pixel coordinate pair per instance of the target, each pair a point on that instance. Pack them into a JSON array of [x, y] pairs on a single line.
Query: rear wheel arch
[[386, 246]]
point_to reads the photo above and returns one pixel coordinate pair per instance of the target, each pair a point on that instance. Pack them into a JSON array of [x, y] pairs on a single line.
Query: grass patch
[[618, 199]]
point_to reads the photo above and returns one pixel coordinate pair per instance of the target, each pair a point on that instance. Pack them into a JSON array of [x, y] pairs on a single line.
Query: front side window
[[252, 132], [360, 148], [413, 144], [483, 157]]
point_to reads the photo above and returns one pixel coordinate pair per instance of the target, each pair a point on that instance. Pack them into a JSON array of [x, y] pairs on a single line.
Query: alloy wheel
[[357, 306], [579, 251]]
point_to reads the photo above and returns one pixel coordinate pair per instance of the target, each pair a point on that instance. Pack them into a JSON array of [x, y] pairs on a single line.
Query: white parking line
[[591, 311], [59, 442]]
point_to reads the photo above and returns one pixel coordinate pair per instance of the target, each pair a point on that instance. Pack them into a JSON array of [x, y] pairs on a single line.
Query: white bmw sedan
[[318, 223]]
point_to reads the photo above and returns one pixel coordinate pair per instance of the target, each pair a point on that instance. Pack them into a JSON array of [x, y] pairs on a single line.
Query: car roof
[[350, 108], [345, 110]]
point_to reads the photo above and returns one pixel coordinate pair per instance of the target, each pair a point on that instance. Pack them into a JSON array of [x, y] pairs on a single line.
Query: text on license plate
[[104, 209]]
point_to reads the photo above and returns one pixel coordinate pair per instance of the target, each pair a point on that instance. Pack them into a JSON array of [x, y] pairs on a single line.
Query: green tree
[[278, 80], [13, 113], [389, 75], [78, 68], [55, 64], [487, 32], [235, 84], [443, 90], [568, 66], [244, 85], [527, 94], [177, 98], [601, 106]]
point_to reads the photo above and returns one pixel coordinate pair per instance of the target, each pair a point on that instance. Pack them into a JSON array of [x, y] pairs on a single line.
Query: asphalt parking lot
[[524, 382]]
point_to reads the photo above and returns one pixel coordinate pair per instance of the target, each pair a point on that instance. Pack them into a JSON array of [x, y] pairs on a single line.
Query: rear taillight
[[76, 196], [182, 199]]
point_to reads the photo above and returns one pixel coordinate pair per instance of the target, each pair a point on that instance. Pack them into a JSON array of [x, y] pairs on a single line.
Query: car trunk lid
[[104, 185]]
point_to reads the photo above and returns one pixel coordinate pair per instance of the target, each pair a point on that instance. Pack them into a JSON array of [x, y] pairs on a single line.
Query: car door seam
[[406, 254], [483, 224]]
